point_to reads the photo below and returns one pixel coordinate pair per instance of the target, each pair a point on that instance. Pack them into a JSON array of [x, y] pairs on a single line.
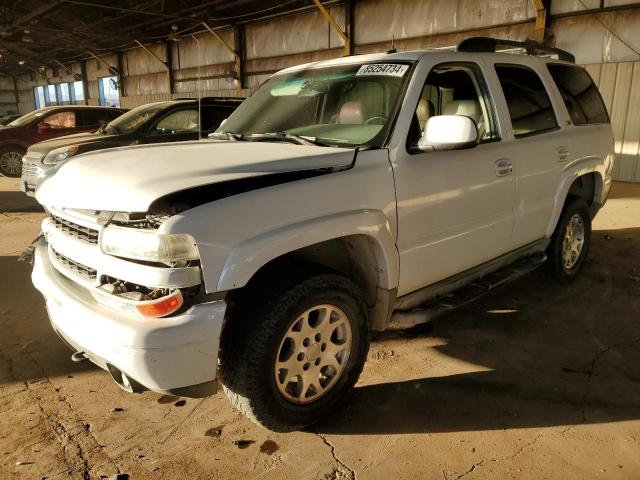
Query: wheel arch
[[4, 146], [582, 183], [358, 245]]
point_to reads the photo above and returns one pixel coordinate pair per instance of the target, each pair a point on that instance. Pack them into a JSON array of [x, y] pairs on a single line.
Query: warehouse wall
[[203, 66]]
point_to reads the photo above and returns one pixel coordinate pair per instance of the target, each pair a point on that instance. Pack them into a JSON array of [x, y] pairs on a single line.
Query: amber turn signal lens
[[161, 307]]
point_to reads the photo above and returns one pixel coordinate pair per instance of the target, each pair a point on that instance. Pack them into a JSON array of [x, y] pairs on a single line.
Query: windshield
[[346, 105], [27, 118], [134, 119]]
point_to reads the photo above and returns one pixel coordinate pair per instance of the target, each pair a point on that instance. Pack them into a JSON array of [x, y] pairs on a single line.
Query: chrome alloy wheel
[[11, 162], [313, 354], [573, 242]]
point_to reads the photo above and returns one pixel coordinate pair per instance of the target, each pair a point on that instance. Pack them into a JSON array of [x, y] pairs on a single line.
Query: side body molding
[[249, 256]]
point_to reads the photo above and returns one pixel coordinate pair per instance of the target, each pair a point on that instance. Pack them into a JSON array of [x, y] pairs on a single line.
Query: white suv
[[342, 196]]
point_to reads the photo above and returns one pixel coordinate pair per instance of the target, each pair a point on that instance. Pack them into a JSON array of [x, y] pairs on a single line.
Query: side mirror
[[449, 132], [44, 127]]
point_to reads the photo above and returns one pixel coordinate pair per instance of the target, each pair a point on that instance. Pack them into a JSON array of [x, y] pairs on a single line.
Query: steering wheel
[[371, 120]]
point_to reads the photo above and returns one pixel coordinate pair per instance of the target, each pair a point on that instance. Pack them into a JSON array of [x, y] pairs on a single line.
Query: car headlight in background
[[59, 154], [148, 245]]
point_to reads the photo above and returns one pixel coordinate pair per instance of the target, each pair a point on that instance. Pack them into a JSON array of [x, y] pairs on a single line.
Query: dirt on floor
[[534, 381]]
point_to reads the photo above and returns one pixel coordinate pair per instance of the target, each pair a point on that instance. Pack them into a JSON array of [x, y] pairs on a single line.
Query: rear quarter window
[[580, 94]]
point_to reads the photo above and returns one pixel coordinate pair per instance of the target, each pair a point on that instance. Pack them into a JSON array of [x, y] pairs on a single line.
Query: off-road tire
[[252, 337], [564, 275], [15, 152]]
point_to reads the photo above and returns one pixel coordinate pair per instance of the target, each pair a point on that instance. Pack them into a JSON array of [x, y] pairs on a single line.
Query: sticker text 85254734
[[388, 69]]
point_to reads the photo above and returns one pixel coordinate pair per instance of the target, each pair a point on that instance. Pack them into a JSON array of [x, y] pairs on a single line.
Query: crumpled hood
[[129, 179], [76, 139]]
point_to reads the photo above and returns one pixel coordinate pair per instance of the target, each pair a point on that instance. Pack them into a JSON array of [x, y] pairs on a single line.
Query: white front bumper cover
[[176, 355]]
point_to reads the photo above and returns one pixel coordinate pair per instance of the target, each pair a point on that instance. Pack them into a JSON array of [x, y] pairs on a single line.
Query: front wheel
[[297, 357], [11, 162], [570, 242]]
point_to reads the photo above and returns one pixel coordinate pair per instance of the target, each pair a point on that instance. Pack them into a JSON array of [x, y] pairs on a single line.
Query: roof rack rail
[[490, 44]]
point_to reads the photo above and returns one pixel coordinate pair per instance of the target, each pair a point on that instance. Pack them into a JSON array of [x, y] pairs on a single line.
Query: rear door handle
[[563, 153], [504, 167]]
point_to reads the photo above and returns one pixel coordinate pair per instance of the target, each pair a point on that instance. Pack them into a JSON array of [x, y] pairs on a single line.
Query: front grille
[[30, 169], [87, 234], [75, 267]]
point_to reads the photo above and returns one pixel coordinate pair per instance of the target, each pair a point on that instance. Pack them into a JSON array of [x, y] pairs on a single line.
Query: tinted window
[[61, 120], [454, 89], [94, 118], [529, 104], [580, 94], [212, 117], [179, 121]]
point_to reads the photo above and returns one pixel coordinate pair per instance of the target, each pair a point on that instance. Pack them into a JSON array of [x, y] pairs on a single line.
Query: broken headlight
[[147, 245]]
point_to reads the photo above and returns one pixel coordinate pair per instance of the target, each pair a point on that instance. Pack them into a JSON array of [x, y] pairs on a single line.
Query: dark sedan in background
[[8, 118], [170, 121], [46, 123]]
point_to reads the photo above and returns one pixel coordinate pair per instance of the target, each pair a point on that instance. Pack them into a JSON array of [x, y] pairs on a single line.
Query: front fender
[[246, 258], [573, 170]]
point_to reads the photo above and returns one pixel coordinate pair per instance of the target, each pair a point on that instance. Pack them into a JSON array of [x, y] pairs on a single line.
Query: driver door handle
[[504, 167]]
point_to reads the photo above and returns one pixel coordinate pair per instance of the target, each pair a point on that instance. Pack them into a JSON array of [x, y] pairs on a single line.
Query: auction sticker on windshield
[[388, 69]]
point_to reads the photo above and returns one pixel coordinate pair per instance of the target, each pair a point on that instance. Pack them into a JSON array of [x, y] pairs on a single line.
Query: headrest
[[468, 108], [351, 112]]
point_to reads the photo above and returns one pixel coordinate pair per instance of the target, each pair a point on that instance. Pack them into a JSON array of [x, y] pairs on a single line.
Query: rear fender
[[572, 171]]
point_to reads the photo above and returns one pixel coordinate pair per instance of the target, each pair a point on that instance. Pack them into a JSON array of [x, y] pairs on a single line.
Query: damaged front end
[[129, 298]]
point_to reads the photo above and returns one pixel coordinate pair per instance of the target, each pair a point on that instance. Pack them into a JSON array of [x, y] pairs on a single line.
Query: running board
[[467, 294]]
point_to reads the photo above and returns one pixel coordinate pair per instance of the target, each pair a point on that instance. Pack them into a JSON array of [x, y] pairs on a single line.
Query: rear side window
[[528, 101], [179, 121], [580, 94], [212, 116], [94, 118]]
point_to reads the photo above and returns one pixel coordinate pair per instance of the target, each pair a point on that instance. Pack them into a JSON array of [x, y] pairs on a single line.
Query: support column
[[121, 88], [336, 27], [541, 19], [239, 44], [16, 93], [85, 81]]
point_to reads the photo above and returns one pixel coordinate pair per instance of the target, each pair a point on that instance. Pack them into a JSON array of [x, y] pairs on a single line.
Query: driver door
[[455, 208]]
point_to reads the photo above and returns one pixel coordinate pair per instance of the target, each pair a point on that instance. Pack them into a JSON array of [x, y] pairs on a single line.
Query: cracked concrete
[[534, 381], [343, 468]]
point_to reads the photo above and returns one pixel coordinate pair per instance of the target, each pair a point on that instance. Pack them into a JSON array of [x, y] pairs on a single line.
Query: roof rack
[[489, 44]]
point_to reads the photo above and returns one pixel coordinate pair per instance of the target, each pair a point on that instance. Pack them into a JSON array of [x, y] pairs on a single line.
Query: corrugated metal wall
[[619, 84], [202, 66]]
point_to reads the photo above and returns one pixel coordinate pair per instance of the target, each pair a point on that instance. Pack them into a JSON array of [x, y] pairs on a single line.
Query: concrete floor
[[534, 381]]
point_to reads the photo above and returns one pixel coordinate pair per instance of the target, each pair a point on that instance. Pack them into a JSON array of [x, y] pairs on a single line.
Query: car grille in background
[[30, 169], [87, 234], [75, 267]]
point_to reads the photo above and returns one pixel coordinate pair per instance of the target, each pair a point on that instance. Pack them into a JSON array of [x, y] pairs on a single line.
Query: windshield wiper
[[234, 137], [288, 137]]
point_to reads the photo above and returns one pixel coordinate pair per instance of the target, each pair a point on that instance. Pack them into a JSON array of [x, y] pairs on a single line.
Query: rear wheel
[[570, 242], [11, 161], [296, 356]]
